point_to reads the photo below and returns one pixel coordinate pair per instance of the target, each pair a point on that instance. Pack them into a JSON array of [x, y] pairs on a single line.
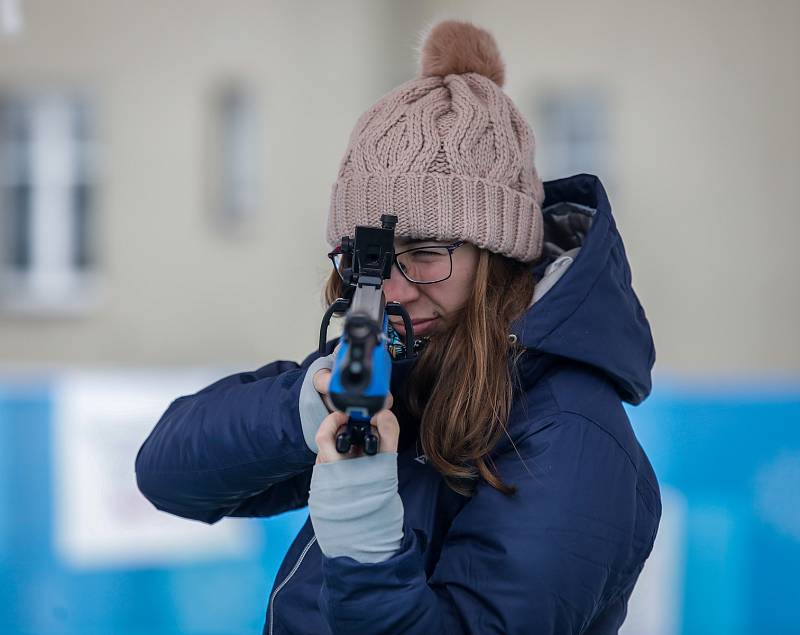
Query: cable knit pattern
[[453, 158]]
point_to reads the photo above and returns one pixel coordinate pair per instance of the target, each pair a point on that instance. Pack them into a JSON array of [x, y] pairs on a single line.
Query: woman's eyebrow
[[406, 242]]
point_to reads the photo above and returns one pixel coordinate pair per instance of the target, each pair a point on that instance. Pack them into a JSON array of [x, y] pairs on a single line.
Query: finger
[[326, 437], [389, 401], [354, 452], [388, 430]]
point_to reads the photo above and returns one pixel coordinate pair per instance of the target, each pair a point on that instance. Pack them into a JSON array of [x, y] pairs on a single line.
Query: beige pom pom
[[461, 47]]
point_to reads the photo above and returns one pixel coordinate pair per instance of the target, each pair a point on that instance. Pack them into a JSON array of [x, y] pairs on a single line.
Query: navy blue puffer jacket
[[560, 556]]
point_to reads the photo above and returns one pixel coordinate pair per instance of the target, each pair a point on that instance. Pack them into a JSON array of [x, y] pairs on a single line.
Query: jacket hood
[[591, 313]]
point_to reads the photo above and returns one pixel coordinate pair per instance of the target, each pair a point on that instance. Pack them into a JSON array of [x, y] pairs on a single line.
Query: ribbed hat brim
[[441, 207]]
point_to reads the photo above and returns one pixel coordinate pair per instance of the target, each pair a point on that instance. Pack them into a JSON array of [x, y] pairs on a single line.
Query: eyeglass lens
[[423, 264], [426, 264]]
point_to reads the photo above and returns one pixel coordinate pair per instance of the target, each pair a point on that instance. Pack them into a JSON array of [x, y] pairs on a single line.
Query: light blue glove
[[355, 508], [312, 408]]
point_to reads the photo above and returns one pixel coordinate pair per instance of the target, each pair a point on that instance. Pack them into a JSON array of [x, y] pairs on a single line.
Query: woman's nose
[[398, 289]]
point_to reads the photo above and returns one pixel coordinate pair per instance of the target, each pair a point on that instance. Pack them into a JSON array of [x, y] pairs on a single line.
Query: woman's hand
[[384, 425], [354, 506]]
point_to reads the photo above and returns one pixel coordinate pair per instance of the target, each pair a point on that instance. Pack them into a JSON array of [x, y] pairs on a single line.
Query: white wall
[[704, 148]]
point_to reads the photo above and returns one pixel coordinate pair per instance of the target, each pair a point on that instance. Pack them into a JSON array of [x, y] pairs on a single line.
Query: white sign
[[100, 419]]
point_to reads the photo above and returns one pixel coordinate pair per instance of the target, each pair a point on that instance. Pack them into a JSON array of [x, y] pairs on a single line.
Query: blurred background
[[165, 171]]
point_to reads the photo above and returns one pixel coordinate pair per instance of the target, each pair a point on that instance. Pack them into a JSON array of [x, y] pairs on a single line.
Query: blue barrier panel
[[41, 594], [731, 455], [733, 452]]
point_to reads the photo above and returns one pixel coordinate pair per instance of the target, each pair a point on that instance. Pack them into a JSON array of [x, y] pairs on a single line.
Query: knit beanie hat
[[448, 153]]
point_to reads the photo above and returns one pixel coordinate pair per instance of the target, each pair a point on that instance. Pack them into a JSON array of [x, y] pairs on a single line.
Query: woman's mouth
[[421, 326]]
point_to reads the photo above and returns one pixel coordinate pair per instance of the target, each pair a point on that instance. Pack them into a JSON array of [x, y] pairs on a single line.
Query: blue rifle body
[[361, 402]]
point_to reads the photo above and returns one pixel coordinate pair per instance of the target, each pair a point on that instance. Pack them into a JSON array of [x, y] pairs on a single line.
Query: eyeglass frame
[[450, 249]]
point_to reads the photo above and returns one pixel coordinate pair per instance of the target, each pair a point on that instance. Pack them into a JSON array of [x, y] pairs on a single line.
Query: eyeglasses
[[426, 264]]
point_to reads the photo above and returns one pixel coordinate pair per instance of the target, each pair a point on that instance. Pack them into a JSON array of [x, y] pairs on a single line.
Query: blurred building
[[167, 167]]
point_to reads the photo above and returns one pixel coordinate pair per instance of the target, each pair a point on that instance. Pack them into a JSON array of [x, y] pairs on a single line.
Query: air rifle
[[362, 365]]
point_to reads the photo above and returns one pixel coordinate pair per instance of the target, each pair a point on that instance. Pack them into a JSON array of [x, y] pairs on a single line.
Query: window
[[47, 203], [573, 133], [238, 160]]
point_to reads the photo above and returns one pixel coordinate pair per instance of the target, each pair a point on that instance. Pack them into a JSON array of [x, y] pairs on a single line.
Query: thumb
[[326, 436]]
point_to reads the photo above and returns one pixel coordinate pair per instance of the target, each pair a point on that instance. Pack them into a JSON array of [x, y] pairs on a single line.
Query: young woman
[[510, 494]]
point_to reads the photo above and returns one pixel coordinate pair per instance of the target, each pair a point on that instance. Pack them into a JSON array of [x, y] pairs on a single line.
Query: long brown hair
[[461, 387]]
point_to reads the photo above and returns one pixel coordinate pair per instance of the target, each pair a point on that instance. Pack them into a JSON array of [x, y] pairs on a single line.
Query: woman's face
[[432, 306]]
